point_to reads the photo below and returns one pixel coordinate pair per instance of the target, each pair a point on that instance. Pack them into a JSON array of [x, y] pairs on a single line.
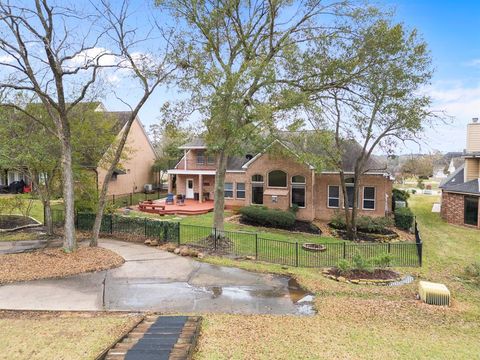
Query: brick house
[[278, 182], [461, 190]]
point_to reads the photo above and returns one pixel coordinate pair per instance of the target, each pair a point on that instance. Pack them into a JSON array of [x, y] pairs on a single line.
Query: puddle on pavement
[[301, 299]]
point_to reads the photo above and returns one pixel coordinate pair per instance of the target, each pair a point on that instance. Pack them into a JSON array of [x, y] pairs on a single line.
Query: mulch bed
[[14, 221], [299, 226], [55, 263], [377, 274]]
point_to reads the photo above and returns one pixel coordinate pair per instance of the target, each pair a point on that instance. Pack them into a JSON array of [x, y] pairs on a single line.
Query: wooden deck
[[191, 207]]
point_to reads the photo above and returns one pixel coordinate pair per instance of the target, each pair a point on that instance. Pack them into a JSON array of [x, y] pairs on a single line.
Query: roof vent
[[475, 120]]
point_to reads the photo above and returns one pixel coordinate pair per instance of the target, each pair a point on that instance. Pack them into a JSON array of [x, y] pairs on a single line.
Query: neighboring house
[[135, 171], [461, 190], [447, 165], [279, 181]]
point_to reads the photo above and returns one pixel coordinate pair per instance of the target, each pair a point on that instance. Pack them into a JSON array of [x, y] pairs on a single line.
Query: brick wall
[[453, 208]]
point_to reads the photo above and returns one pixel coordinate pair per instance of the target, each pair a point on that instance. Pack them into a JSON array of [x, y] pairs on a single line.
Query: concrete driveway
[[155, 280]]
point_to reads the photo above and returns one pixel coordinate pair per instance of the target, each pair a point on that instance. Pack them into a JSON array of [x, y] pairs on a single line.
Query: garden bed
[[356, 276], [13, 222], [55, 263], [298, 226]]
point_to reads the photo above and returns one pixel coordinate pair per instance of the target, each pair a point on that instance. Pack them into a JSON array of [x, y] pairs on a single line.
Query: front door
[[189, 193]]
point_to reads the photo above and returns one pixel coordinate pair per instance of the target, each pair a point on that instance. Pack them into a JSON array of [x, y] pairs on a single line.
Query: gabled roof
[[454, 178], [455, 183], [195, 143], [240, 163]]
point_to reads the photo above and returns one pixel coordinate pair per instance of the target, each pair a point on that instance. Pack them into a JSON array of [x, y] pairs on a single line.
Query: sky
[[452, 32]]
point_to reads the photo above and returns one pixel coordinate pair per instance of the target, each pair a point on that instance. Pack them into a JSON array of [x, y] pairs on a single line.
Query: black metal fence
[[134, 198], [239, 243]]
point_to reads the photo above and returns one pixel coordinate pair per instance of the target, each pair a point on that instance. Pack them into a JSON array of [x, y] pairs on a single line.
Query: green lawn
[[34, 335], [365, 322]]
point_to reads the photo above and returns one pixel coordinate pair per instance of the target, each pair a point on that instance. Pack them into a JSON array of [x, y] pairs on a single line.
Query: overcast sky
[[452, 30]]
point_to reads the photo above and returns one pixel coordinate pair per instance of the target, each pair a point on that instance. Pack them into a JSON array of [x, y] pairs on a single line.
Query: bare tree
[[149, 70], [40, 44]]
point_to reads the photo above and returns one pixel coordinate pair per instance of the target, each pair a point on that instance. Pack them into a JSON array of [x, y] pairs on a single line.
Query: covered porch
[[195, 185]]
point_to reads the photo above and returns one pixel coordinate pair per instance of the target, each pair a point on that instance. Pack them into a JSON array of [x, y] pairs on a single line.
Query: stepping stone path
[[159, 337]]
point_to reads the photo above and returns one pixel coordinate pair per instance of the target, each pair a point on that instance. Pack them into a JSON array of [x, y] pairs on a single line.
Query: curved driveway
[[155, 280]]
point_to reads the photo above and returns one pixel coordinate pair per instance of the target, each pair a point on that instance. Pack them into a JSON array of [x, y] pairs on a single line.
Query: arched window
[[298, 190], [277, 178], [257, 189]]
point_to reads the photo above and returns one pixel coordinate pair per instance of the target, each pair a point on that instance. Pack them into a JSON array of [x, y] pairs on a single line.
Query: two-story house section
[[461, 190], [279, 182]]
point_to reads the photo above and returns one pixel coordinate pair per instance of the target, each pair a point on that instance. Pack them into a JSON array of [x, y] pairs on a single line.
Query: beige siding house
[[277, 182], [135, 169]]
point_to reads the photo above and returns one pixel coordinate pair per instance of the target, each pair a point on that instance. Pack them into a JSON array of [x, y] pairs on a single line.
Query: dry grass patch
[[52, 263], [29, 335], [344, 328]]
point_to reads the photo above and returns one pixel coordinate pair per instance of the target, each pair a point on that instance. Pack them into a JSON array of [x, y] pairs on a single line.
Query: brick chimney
[[472, 152]]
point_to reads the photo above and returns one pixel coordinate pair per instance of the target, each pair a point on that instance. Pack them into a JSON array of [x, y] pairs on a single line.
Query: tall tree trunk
[[69, 240], [48, 217], [219, 196], [102, 202], [348, 223]]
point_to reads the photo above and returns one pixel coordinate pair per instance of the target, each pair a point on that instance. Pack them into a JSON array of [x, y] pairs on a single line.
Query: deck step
[[159, 337]]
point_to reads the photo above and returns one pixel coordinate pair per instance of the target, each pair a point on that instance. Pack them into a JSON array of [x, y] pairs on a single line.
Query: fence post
[[131, 199], [296, 253], [256, 246], [178, 233], [389, 248], [111, 223], [113, 199], [420, 253], [344, 250], [45, 216], [145, 226], [215, 239]]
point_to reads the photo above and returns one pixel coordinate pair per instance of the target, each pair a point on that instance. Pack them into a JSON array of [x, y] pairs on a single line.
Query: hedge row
[[404, 218], [263, 216]]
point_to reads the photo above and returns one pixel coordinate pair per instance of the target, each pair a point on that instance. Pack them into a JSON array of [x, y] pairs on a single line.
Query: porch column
[[170, 185], [200, 188]]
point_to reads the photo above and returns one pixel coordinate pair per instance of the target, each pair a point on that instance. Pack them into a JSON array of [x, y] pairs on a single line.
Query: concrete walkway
[[155, 280]]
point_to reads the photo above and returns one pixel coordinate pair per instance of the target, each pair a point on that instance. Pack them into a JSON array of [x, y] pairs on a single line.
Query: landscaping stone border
[[376, 282]]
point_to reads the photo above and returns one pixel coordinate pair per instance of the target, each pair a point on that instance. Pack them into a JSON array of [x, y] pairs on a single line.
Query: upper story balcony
[[196, 160]]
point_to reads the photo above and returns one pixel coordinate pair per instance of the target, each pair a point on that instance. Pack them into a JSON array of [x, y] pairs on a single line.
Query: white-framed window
[[200, 158], [350, 184], [333, 196], [369, 198], [228, 192], [298, 190], [240, 190], [257, 189], [277, 178], [210, 160]]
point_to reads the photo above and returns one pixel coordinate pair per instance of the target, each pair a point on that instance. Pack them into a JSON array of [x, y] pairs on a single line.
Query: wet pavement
[[155, 280]]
